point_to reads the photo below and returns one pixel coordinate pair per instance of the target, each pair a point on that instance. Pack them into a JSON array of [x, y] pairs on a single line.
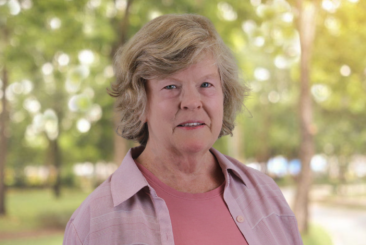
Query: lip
[[192, 121], [192, 128]]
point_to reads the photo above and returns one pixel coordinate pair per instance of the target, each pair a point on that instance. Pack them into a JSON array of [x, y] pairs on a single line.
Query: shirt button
[[240, 219]]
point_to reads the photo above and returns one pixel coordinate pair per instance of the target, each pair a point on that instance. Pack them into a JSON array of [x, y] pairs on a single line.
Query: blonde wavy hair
[[162, 47]]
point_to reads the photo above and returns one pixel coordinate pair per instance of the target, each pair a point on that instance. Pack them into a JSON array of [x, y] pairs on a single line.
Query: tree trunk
[[343, 168], [55, 158], [306, 27], [4, 122], [121, 144]]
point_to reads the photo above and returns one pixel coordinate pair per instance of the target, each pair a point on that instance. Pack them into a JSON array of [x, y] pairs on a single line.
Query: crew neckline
[[155, 182]]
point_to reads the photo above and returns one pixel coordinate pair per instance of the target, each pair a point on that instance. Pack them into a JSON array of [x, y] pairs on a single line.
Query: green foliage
[[41, 45], [339, 65]]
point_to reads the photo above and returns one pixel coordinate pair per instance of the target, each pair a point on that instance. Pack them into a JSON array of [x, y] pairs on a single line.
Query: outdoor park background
[[57, 140]]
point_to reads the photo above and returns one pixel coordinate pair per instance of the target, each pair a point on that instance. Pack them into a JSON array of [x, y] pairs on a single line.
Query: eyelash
[[210, 85], [166, 87]]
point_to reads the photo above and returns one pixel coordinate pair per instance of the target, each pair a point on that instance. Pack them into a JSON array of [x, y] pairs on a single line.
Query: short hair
[[163, 46]]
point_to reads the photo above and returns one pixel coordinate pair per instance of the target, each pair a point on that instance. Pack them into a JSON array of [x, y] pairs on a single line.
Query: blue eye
[[170, 87], [206, 85]]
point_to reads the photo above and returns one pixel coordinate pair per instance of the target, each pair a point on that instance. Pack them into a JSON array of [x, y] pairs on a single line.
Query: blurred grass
[[32, 210], [49, 240], [37, 209], [316, 236]]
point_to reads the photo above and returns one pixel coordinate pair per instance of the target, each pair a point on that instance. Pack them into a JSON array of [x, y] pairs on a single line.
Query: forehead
[[205, 67]]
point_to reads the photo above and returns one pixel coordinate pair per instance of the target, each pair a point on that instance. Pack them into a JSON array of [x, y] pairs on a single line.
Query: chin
[[194, 146]]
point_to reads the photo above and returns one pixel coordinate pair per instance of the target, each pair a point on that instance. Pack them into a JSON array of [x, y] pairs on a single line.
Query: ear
[[142, 118]]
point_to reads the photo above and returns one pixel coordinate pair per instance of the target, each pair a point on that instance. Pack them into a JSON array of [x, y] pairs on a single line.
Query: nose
[[190, 99]]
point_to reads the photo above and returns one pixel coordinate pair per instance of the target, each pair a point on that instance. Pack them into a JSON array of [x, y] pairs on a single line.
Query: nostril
[[191, 105]]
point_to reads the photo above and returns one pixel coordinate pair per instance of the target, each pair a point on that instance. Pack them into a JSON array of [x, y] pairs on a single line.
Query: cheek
[[169, 94], [220, 107], [210, 92], [218, 100], [163, 111], [216, 106]]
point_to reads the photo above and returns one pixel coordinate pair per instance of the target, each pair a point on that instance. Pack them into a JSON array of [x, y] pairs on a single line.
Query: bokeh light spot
[[345, 70], [55, 23], [261, 74], [86, 57], [320, 92], [14, 7], [274, 97], [63, 59], [227, 12], [47, 69], [83, 125]]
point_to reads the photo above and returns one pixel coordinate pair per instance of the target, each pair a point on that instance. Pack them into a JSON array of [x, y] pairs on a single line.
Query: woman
[[178, 91]]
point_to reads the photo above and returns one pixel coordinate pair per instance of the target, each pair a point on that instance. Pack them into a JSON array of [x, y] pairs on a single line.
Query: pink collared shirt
[[126, 210]]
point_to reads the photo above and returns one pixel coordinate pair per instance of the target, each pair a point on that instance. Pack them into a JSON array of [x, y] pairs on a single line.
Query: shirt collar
[[128, 179], [228, 163]]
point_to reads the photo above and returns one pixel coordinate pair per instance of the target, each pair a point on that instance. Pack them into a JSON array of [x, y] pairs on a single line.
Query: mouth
[[191, 124]]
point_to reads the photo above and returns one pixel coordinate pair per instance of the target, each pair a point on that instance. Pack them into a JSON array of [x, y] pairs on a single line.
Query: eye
[[170, 87], [206, 85]]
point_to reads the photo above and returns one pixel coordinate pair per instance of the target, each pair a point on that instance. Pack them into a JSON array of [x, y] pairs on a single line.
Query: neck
[[186, 172]]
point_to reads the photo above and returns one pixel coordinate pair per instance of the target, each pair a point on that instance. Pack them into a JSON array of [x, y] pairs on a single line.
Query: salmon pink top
[[200, 218]]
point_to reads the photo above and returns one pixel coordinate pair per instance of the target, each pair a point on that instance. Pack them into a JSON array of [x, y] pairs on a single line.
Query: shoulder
[[97, 203], [101, 195], [251, 176], [263, 204], [255, 189]]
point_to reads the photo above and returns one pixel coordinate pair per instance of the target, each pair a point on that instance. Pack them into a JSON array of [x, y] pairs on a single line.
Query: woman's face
[[185, 110]]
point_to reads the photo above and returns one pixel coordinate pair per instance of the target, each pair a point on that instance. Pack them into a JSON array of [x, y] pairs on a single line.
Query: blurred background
[[303, 123]]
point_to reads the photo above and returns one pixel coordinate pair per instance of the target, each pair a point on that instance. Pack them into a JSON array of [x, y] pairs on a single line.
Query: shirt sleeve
[[71, 236]]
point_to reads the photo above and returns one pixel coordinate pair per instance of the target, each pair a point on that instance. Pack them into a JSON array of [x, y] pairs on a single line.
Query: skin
[[179, 156]]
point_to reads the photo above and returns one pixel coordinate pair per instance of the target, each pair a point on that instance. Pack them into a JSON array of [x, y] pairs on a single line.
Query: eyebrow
[[207, 76], [212, 75]]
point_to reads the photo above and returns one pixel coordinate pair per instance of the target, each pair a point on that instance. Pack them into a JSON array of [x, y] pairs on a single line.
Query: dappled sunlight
[[60, 128], [55, 23], [83, 125], [226, 11]]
